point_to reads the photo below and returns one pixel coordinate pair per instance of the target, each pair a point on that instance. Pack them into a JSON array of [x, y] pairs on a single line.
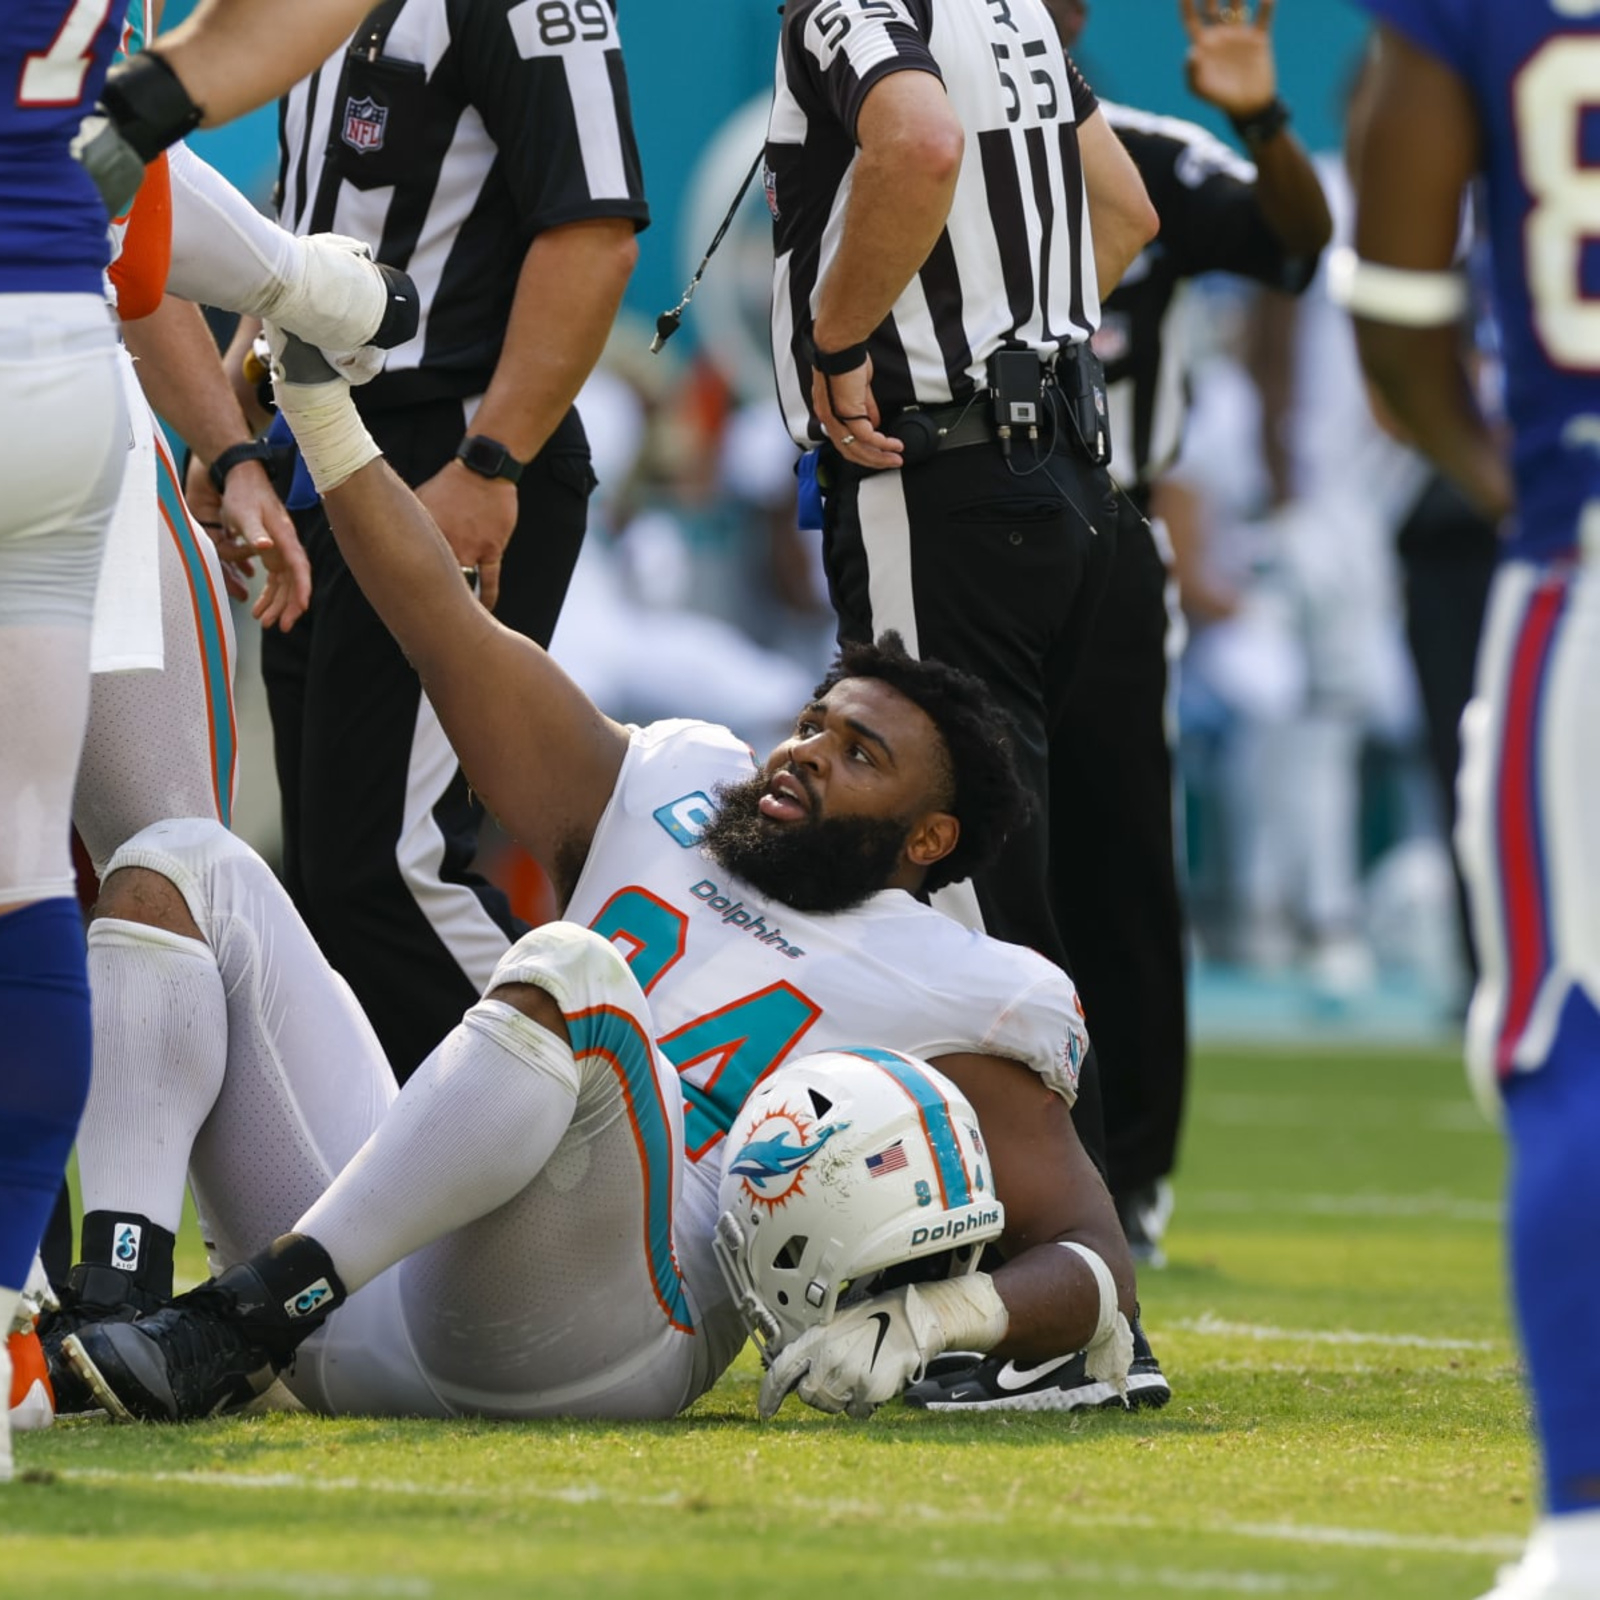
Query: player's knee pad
[[573, 964], [201, 859]]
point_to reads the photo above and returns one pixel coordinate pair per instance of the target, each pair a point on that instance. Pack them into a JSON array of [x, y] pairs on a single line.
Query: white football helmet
[[840, 1165]]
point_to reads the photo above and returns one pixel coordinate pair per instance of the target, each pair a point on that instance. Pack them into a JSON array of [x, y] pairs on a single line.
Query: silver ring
[[847, 439]]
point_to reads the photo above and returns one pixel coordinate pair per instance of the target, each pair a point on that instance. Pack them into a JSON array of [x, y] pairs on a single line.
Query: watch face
[[484, 456]]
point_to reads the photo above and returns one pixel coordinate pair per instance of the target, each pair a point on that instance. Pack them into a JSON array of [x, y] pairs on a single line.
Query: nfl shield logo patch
[[363, 124]]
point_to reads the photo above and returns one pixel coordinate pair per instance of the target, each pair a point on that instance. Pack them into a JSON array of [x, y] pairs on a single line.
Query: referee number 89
[[562, 23]]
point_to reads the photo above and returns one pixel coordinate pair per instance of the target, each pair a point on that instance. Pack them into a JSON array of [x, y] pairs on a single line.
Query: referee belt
[[926, 430]]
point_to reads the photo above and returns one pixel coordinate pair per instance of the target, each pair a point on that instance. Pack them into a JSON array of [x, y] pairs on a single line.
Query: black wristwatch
[[1260, 126], [227, 460], [488, 458]]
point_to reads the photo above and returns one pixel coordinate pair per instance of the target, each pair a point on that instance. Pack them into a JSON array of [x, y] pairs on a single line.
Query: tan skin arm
[[1419, 146], [582, 268], [535, 747], [1052, 1195], [1122, 221], [901, 190], [235, 55], [176, 360]]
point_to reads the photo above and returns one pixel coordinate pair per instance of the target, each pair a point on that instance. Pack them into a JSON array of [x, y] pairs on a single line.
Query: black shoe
[[197, 1357], [92, 1294], [1144, 1213], [1060, 1384]]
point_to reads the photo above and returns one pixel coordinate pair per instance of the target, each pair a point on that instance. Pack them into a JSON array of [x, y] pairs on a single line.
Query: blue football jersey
[[53, 60], [1533, 67]]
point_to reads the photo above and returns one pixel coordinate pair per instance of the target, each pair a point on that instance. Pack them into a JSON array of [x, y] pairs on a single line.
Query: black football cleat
[[202, 1355], [1061, 1383], [93, 1294]]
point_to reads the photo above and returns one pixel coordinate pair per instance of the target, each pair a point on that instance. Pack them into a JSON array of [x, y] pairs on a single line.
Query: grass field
[[1347, 1422]]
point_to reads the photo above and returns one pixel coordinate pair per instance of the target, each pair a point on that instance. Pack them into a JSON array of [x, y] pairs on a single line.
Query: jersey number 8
[[1553, 93]]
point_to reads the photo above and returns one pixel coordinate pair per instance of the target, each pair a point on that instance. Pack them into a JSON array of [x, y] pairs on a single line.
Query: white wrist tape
[[333, 440], [1395, 294], [1110, 1351], [971, 1314]]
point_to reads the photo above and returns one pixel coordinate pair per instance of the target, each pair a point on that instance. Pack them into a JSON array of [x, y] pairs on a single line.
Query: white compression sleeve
[[160, 1051], [324, 288], [224, 252], [471, 1129]]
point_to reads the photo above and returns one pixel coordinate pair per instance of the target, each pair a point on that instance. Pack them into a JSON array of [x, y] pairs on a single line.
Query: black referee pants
[[1113, 872], [379, 828], [996, 567]]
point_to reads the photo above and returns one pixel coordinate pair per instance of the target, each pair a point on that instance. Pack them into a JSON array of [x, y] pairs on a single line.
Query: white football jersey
[[738, 983]]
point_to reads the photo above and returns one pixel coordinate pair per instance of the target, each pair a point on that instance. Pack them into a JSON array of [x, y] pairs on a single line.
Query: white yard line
[[1217, 1328], [596, 1494], [1449, 1207], [1143, 1580]]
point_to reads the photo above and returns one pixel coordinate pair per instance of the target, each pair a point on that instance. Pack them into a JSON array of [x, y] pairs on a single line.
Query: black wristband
[[1262, 125], [835, 363], [147, 104], [227, 460]]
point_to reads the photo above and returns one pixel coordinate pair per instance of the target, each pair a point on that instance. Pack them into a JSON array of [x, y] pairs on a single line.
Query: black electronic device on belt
[[1082, 380], [1016, 394]]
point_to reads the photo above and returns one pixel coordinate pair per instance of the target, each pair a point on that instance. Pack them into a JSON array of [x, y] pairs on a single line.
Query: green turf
[[1347, 1422]]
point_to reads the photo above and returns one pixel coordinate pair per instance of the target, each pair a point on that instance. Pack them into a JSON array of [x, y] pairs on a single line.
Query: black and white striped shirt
[[1211, 221], [1014, 266], [449, 135]]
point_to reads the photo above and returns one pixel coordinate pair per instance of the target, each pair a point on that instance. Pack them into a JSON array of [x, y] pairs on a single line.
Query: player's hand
[[247, 523], [112, 163], [477, 516], [865, 1356], [1230, 63], [849, 416], [256, 519]]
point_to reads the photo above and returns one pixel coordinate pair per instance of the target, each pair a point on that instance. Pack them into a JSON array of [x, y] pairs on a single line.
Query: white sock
[[160, 1050], [472, 1128], [1573, 1538]]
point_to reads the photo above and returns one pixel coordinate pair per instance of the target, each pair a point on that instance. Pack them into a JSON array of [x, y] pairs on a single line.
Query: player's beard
[[819, 864]]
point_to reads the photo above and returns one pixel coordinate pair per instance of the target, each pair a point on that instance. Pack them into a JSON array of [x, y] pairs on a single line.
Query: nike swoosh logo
[[882, 1319], [1011, 1377]]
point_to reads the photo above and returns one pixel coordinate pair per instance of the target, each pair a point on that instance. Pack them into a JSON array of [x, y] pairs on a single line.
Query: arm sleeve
[[1206, 199], [549, 84], [838, 49]]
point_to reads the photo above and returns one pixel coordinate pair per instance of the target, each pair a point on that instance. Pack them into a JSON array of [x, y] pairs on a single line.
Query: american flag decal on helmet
[[886, 1161]]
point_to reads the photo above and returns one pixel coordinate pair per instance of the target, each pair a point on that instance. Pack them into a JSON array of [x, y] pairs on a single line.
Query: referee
[[485, 147], [1114, 880], [945, 200]]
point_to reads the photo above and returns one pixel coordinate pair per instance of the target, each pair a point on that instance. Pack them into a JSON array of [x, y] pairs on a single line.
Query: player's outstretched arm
[[540, 753], [235, 55], [1418, 145]]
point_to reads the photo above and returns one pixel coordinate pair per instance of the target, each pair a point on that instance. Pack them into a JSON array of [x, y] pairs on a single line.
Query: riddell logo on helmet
[[951, 1232]]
